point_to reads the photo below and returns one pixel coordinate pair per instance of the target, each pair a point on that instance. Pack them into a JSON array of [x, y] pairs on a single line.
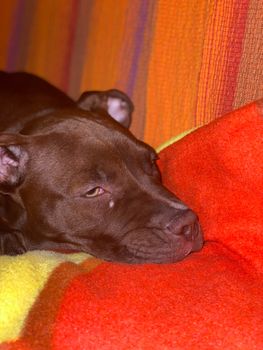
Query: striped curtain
[[183, 62]]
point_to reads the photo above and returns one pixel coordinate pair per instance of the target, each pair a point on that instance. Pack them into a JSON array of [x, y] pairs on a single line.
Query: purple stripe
[[13, 49], [79, 48], [72, 33], [234, 53], [138, 38]]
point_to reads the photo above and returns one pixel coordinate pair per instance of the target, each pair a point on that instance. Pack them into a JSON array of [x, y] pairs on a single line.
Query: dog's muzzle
[[167, 243]]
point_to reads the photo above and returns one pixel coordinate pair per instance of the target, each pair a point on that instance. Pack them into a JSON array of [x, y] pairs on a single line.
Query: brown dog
[[71, 177]]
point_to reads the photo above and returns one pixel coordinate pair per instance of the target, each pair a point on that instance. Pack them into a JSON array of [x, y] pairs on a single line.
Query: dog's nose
[[184, 223]]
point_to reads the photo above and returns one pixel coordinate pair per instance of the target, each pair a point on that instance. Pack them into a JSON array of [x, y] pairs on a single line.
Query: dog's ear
[[13, 160], [116, 103]]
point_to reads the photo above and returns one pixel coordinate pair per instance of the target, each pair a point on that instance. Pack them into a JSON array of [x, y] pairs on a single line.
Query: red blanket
[[210, 300]]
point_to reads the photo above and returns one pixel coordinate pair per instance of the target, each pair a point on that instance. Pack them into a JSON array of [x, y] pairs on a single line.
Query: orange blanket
[[211, 300]]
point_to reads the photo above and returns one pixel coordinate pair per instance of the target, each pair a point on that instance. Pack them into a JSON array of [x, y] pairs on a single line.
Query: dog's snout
[[184, 223]]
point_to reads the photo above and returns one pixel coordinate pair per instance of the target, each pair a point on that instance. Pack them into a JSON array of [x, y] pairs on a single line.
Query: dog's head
[[77, 179]]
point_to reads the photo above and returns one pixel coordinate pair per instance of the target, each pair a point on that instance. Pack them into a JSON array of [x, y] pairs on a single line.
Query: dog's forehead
[[97, 137], [76, 152]]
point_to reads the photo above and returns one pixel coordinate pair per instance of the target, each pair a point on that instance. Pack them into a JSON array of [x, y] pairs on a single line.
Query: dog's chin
[[135, 253], [139, 248], [153, 257], [160, 256], [157, 248]]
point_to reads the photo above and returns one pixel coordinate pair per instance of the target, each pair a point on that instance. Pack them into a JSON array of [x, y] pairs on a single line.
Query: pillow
[[210, 300]]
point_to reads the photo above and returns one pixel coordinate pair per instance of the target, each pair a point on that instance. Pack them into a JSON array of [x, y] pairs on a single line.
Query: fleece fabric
[[211, 300]]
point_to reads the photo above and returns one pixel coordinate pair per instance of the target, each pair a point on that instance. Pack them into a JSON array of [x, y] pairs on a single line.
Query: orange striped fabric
[[184, 63]]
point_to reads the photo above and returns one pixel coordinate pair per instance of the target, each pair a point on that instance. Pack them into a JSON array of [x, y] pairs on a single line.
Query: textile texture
[[183, 63], [211, 300]]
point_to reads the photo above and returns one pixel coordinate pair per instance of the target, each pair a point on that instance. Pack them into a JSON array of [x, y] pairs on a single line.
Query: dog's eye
[[155, 169], [154, 158], [94, 192]]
